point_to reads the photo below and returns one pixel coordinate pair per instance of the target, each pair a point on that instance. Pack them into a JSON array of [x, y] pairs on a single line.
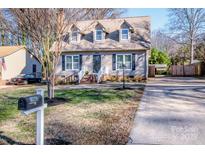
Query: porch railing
[[81, 74], [100, 74]]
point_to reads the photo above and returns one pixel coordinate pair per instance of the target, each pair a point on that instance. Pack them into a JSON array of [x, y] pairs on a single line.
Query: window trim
[[96, 34], [123, 61], [71, 39], [124, 34], [72, 62]]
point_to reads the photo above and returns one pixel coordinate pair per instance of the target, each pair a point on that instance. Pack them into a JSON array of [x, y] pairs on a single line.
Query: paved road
[[172, 111]]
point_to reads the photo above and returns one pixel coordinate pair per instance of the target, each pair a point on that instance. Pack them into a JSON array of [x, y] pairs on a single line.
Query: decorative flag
[[2, 63]]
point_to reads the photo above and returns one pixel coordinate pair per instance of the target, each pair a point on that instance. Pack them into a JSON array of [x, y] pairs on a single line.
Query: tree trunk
[[192, 52], [183, 64], [2, 38], [50, 87]]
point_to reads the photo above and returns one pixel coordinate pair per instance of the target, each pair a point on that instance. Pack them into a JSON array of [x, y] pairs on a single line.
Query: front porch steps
[[88, 79]]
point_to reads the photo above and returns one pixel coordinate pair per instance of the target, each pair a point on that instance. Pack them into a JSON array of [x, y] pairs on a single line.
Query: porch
[[96, 67]]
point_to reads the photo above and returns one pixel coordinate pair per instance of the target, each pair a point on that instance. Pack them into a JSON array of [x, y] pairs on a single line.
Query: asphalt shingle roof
[[140, 36]]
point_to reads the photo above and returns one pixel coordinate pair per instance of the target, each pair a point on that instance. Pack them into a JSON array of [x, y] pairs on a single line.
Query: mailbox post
[[40, 120], [36, 104]]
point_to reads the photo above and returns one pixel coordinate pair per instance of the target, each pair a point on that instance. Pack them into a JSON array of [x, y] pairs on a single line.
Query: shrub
[[159, 57]]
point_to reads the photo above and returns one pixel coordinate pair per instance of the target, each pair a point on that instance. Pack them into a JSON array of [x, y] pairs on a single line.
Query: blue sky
[[158, 16]]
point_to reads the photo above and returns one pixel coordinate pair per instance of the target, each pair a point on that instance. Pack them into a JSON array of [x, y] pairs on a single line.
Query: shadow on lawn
[[54, 141], [56, 101], [7, 140]]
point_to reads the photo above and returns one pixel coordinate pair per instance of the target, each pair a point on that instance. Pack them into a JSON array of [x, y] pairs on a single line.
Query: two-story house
[[103, 48]]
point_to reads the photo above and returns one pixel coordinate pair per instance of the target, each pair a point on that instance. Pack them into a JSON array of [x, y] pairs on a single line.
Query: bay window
[[72, 62], [124, 60]]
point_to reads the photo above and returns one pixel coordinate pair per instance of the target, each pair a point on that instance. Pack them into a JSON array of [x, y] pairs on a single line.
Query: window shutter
[[133, 61], [63, 62], [120, 33], [93, 36], [80, 60], [114, 62]]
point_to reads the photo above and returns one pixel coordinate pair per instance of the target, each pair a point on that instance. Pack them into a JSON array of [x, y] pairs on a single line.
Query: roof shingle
[[140, 36]]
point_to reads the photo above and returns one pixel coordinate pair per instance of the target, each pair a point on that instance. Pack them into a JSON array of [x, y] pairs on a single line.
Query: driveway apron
[[172, 111]]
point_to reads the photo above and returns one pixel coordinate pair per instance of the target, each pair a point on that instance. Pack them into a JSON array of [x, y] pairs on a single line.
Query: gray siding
[[106, 60]]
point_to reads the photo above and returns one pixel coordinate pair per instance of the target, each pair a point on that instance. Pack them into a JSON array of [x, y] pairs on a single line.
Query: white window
[[98, 35], [72, 62], [74, 36], [124, 60], [124, 34]]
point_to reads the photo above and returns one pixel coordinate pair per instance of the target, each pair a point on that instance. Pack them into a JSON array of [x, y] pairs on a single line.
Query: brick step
[[87, 82], [87, 79]]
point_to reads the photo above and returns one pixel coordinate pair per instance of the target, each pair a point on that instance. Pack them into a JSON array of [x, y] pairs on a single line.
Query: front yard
[[84, 116]]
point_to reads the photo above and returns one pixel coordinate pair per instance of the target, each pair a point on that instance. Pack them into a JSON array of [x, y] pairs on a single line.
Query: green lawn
[[88, 116], [8, 101]]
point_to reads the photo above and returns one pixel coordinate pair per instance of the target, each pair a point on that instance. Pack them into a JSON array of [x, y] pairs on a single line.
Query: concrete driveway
[[172, 111]]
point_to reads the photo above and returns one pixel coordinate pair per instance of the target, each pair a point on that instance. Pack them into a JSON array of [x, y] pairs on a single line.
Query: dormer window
[[99, 35], [100, 32], [125, 31], [74, 36], [125, 34]]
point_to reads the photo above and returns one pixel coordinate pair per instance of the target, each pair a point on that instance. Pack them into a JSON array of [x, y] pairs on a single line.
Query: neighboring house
[[17, 60], [103, 47]]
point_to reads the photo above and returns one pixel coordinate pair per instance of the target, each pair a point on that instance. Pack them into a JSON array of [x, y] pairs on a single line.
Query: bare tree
[[46, 28], [187, 26], [43, 27], [162, 41], [104, 13], [200, 50]]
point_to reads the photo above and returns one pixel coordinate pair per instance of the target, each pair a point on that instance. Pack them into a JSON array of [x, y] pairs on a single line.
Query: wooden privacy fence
[[196, 69], [151, 72]]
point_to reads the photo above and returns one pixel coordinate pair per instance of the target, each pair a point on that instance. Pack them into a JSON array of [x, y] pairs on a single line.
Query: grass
[[8, 101], [94, 95], [89, 116]]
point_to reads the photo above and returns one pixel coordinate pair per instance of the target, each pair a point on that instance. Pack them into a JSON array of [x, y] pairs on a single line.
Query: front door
[[96, 63]]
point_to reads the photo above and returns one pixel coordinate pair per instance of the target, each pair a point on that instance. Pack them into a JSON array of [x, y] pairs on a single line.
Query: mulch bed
[[56, 101]]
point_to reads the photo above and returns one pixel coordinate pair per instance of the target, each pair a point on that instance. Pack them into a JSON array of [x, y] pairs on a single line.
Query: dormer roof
[[74, 27], [139, 39], [100, 26], [127, 25], [110, 25]]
